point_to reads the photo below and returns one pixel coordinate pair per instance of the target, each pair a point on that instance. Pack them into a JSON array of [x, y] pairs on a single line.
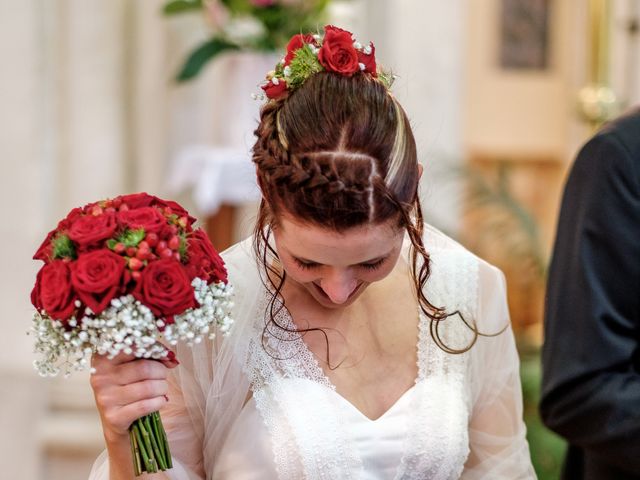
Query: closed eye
[[367, 266]]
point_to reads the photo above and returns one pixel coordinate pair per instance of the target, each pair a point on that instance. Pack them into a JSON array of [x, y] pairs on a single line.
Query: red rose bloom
[[137, 200], [96, 277], [369, 61], [177, 209], [204, 261], [148, 218], [66, 223], [297, 41], [337, 53], [53, 292], [165, 288], [275, 91], [45, 251], [89, 229]]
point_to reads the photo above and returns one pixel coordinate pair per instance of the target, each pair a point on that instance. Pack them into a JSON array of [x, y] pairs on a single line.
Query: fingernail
[[166, 398]]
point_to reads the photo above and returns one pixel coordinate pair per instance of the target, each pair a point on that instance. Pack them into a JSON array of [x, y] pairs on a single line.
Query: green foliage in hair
[[303, 65]]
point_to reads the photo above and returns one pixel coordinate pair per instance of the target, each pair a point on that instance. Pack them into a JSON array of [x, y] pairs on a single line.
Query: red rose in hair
[[97, 276], [369, 61], [137, 200], [148, 218], [204, 261], [272, 90], [297, 41], [53, 292], [337, 53], [165, 288], [89, 229]]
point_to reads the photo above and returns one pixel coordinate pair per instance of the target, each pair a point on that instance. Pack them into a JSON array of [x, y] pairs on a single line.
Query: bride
[[366, 345]]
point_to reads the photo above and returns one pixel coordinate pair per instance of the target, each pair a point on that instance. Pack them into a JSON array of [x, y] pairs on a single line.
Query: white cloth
[[461, 419], [216, 175]]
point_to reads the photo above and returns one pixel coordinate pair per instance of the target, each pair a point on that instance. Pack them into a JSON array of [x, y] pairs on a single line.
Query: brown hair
[[339, 152]]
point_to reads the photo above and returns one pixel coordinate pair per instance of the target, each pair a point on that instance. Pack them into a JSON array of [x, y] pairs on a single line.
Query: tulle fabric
[[210, 388]]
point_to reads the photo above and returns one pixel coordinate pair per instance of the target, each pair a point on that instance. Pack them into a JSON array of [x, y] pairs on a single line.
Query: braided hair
[[338, 152]]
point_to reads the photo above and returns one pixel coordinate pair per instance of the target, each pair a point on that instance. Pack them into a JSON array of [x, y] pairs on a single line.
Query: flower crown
[[337, 51]]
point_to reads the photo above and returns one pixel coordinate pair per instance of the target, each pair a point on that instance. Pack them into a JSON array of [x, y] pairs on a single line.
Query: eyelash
[[366, 266]]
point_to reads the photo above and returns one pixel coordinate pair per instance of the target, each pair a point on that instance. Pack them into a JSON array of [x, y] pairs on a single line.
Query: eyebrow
[[373, 260]]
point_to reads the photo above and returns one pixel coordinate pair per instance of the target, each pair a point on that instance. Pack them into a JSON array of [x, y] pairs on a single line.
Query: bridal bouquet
[[127, 275]]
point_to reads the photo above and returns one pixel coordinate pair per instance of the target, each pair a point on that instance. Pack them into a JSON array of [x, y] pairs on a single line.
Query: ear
[[420, 170]]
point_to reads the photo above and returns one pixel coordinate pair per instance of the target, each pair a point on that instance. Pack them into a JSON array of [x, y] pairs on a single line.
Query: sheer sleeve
[[209, 388], [497, 443]]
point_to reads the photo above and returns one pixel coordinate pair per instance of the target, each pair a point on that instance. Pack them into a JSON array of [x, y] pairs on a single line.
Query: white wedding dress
[[253, 407]]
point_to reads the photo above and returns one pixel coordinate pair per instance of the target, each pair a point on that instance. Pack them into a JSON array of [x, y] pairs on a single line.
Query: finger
[[132, 372], [103, 361], [138, 391], [121, 418]]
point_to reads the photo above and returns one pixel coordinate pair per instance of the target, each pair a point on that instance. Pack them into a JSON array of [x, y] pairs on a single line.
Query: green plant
[[256, 25]]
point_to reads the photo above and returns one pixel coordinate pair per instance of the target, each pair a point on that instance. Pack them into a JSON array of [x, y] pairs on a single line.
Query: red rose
[[165, 288], [337, 53], [297, 42], [204, 261], [148, 218], [369, 61], [137, 200], [177, 209], [45, 251], [96, 277], [53, 292], [272, 90], [71, 217], [89, 229]]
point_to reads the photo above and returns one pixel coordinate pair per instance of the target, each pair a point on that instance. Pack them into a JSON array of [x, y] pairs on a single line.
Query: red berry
[[151, 239], [176, 255], [143, 245], [174, 243], [161, 246], [136, 276], [135, 264], [166, 253], [119, 248], [173, 230], [183, 222], [110, 210], [131, 251], [143, 253], [167, 211], [96, 210], [123, 207]]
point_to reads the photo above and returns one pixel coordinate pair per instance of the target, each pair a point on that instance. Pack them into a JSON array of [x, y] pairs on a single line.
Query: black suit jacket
[[591, 354]]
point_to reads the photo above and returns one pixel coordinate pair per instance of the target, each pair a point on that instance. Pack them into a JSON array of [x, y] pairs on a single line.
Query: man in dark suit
[[591, 354]]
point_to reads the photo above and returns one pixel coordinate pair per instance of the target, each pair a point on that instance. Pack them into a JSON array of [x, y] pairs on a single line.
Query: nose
[[338, 287]]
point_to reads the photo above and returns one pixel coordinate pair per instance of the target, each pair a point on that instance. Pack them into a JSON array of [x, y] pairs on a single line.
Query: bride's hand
[[126, 388]]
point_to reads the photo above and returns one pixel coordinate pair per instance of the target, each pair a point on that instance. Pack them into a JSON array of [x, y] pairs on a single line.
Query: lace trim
[[436, 446], [288, 412]]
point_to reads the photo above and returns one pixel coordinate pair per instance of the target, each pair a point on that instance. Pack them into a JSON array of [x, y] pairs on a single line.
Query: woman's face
[[335, 268]]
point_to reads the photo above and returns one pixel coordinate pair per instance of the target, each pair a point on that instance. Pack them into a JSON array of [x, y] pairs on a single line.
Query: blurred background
[[102, 97]]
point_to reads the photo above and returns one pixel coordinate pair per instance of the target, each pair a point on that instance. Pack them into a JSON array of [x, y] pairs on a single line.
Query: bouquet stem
[[149, 445]]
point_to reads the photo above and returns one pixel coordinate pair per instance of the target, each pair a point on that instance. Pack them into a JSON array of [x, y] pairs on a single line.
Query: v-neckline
[[305, 351]]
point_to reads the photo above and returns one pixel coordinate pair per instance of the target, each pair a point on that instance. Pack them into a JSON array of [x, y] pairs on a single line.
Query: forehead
[[323, 245]]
